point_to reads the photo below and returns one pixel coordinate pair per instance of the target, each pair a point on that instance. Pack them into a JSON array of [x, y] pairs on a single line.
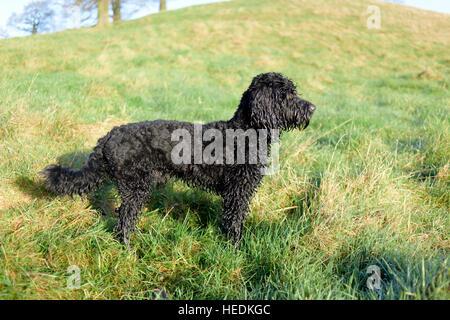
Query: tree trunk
[[116, 10], [162, 5], [103, 12]]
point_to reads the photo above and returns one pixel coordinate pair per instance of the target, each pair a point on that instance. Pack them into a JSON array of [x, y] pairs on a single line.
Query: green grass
[[366, 184]]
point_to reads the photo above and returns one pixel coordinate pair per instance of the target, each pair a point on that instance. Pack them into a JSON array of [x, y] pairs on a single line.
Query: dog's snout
[[312, 108]]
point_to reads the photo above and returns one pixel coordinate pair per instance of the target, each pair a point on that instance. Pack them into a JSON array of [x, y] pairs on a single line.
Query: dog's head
[[271, 102]]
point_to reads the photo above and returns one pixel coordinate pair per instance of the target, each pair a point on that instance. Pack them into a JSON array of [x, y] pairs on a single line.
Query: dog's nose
[[312, 108]]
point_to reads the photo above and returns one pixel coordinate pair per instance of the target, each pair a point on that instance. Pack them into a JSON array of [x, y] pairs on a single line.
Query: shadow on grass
[[100, 200], [106, 199], [392, 275], [32, 188], [279, 267], [177, 200], [270, 245], [432, 176], [205, 206], [37, 189]]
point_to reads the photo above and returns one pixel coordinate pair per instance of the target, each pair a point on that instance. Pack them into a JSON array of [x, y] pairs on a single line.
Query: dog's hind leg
[[134, 195]]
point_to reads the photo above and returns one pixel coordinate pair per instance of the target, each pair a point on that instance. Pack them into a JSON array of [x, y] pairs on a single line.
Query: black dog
[[138, 156]]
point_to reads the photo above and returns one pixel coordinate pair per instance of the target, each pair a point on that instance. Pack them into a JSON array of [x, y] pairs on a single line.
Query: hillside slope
[[366, 184]]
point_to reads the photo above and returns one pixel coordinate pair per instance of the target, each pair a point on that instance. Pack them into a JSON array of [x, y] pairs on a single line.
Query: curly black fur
[[137, 156]]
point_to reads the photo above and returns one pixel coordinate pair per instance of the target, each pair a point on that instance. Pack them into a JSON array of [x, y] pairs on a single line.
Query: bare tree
[[35, 18], [103, 12], [100, 7], [120, 9], [162, 5], [126, 8], [116, 8]]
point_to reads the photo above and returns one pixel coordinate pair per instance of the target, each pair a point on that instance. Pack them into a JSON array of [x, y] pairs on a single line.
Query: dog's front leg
[[233, 216], [238, 191], [236, 198]]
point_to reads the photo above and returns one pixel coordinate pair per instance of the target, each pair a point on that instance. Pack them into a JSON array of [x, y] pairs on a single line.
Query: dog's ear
[[263, 107]]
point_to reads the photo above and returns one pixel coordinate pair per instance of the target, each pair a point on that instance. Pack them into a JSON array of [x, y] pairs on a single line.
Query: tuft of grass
[[367, 184]]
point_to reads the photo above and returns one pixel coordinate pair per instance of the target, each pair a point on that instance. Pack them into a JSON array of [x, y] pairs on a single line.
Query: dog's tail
[[67, 181]]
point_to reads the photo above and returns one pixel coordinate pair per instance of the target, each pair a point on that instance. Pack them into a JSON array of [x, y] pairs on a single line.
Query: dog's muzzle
[[309, 114]]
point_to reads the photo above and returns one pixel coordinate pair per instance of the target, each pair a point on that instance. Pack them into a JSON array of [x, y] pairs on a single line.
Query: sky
[[7, 7]]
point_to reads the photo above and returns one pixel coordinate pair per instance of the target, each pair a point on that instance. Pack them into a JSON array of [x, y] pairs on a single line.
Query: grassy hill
[[366, 184]]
